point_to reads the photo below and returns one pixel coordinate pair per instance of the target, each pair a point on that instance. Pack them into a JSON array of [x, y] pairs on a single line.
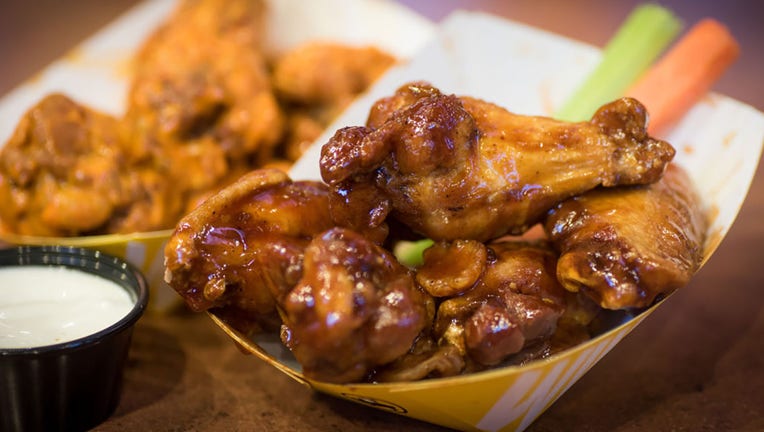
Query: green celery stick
[[645, 34], [410, 253]]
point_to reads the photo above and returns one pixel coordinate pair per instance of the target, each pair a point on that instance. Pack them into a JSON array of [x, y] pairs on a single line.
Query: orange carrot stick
[[685, 73]]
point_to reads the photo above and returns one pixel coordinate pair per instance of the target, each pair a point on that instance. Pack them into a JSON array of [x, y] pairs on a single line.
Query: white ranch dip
[[43, 305]]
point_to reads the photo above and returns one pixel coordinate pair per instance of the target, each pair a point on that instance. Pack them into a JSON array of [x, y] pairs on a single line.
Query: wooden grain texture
[[697, 363]]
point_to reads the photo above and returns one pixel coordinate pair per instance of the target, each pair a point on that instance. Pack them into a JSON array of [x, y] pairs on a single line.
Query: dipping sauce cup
[[66, 320]]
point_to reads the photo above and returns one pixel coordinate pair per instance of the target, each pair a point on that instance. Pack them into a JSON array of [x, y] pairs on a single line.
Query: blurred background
[[35, 32], [595, 21]]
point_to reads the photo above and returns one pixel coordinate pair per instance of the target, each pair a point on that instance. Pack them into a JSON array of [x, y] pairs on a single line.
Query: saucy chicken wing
[[242, 249], [499, 298], [461, 168], [67, 171], [201, 99], [355, 308], [623, 247]]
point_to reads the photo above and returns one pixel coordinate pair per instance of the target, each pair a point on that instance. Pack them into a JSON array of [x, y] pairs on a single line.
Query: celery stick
[[410, 253], [645, 34]]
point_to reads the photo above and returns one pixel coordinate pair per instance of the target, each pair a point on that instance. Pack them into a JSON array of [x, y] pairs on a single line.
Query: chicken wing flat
[[625, 246], [201, 94], [242, 249], [354, 309], [461, 168], [67, 171]]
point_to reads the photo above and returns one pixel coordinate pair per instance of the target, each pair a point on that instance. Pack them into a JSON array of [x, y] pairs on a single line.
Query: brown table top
[[697, 363]]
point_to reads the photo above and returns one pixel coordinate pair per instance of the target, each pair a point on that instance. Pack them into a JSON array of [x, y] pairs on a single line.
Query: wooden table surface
[[697, 363]]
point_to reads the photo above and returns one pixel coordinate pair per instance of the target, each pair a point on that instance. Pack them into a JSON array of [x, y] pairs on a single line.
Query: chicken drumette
[[461, 168], [623, 247], [355, 309]]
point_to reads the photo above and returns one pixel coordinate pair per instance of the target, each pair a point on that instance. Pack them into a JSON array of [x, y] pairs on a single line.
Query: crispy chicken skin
[[201, 95], [316, 81], [354, 309], [66, 170], [242, 249], [500, 298], [461, 168], [625, 246]]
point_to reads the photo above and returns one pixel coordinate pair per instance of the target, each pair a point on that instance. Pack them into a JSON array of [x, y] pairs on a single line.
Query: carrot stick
[[685, 73]]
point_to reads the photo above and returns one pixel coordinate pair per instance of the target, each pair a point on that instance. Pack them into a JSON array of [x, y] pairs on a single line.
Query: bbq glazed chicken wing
[[201, 94], [461, 168], [241, 251], [355, 309], [262, 253], [497, 299], [623, 247], [67, 171]]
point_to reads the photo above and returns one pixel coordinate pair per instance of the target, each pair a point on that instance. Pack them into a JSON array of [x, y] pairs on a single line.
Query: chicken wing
[[623, 247], [354, 309], [201, 93], [504, 299], [242, 249], [461, 168], [67, 171]]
